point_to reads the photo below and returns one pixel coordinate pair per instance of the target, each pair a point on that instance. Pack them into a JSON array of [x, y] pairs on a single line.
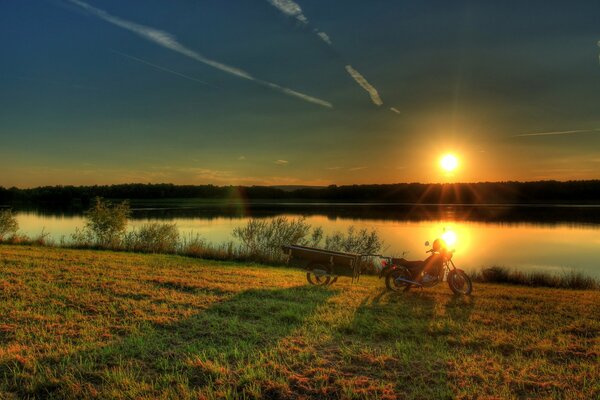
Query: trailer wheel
[[318, 274]]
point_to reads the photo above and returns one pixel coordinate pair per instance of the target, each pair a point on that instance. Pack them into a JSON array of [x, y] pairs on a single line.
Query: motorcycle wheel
[[393, 285], [315, 278], [459, 282]]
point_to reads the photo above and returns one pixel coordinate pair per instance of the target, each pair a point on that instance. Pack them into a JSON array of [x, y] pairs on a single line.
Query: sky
[[297, 92]]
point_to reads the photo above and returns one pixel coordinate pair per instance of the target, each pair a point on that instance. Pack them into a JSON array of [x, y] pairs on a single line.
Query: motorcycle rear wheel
[[395, 286], [459, 282]]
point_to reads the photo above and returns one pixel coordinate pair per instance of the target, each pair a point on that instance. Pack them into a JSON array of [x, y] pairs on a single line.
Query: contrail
[[170, 42], [293, 9], [290, 8], [162, 68], [365, 85], [558, 132]]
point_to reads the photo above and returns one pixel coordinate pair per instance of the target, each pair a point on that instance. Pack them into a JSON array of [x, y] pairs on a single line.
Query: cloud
[[293, 9], [558, 132], [207, 174], [290, 8], [356, 168], [395, 110], [170, 42], [333, 168], [162, 68], [365, 85], [282, 162], [324, 37], [241, 158]]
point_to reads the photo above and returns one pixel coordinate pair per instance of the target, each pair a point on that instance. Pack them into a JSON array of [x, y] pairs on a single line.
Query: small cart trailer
[[323, 267]]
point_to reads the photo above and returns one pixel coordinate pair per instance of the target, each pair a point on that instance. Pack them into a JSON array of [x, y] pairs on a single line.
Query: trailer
[[323, 267]]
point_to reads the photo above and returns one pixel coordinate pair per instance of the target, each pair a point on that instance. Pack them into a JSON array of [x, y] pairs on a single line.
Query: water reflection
[[537, 214], [533, 238]]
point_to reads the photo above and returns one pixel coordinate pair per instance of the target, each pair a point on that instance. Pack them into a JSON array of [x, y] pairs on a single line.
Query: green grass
[[98, 324]]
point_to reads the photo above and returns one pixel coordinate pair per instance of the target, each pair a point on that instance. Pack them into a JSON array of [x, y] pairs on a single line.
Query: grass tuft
[[565, 280]]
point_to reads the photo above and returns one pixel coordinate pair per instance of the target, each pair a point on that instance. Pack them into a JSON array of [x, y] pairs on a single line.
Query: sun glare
[[449, 162], [449, 237]]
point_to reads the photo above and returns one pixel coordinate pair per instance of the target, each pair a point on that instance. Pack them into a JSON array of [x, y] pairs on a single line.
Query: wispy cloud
[[356, 168], [333, 168], [552, 133], [170, 42], [395, 110], [293, 9], [161, 68], [282, 162], [242, 158], [365, 85], [324, 37], [289, 8]]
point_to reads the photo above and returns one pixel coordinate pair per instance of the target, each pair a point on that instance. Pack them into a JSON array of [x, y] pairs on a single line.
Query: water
[[534, 238]]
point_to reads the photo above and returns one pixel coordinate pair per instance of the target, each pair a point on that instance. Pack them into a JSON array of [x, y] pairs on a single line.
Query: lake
[[529, 238]]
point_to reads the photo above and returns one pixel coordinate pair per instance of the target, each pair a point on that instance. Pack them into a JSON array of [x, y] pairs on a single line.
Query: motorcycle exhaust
[[408, 281]]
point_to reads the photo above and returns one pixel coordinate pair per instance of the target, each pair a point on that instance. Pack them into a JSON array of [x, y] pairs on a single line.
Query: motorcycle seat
[[411, 265]]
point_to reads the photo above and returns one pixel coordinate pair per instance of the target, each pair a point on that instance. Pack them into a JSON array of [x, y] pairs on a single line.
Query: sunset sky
[[281, 92]]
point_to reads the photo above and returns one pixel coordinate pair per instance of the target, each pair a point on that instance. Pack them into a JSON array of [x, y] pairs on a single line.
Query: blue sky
[[183, 91]]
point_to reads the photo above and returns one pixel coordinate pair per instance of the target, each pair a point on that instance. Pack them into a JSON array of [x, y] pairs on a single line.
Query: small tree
[[8, 224], [107, 222]]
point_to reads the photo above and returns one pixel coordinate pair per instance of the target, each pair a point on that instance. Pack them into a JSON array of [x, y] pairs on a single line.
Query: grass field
[[96, 324]]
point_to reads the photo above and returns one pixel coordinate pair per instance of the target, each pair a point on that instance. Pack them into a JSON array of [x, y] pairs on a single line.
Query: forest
[[539, 192]]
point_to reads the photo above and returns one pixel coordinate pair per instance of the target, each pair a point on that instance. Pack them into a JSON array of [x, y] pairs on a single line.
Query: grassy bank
[[84, 324]]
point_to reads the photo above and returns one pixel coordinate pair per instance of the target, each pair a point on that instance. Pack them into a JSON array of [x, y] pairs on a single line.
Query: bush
[[106, 224], [8, 224], [359, 242], [264, 239], [153, 238]]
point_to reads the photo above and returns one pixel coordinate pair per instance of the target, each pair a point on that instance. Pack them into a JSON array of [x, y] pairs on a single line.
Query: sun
[[449, 162], [449, 237]]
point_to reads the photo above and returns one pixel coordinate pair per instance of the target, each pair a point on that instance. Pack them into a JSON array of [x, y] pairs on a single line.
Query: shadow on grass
[[403, 338], [204, 352]]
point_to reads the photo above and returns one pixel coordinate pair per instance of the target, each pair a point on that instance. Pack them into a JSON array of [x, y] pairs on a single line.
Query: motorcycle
[[401, 274]]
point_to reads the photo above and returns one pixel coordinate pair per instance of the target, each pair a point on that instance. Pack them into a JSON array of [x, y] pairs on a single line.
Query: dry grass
[[97, 324]]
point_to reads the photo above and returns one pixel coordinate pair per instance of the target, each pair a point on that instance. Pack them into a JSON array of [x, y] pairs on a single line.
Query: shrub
[[360, 242], [8, 224], [264, 239], [106, 223], [153, 238]]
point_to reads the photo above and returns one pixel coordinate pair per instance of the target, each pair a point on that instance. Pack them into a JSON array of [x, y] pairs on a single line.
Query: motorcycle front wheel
[[395, 285], [459, 282]]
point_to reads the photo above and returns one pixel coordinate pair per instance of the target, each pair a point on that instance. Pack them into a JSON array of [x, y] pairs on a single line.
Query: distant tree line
[[587, 192]]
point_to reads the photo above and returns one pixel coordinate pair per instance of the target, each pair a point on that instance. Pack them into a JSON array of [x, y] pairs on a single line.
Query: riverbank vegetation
[[565, 280], [78, 324], [259, 241]]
